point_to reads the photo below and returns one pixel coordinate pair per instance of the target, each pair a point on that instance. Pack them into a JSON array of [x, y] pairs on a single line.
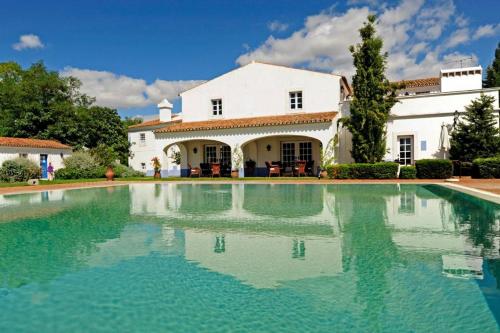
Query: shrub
[[19, 170], [408, 172], [434, 169], [74, 173], [462, 168], [80, 160], [123, 171], [486, 167], [382, 170]]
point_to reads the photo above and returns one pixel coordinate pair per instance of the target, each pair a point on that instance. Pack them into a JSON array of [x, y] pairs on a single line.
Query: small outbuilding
[[42, 152]]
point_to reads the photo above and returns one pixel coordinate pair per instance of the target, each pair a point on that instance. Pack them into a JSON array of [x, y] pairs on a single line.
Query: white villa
[[271, 113]]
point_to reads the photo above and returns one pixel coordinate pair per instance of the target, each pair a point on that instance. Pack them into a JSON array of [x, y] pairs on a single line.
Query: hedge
[[77, 173], [382, 170], [434, 169], [408, 172], [19, 170], [486, 167]]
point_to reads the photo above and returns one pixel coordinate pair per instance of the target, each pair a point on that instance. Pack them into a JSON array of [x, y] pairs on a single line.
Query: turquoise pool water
[[249, 258]]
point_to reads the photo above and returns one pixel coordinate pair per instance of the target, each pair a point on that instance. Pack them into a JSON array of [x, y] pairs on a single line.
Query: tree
[[478, 135], [493, 71], [38, 103], [373, 98]]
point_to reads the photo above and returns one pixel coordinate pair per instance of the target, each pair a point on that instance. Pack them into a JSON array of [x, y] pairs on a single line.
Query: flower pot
[[235, 174], [157, 175], [110, 174], [323, 174]]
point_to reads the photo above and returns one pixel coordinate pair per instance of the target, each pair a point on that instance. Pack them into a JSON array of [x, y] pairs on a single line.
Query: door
[[43, 165], [405, 150]]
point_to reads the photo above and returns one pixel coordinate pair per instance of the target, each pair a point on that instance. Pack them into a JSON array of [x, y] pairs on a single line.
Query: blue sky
[[130, 54]]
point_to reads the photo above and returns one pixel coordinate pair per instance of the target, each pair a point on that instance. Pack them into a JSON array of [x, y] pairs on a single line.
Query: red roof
[[291, 119], [426, 82], [154, 122], [31, 143]]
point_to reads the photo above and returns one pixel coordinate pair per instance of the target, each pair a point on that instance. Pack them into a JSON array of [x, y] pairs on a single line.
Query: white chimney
[[165, 110], [460, 79]]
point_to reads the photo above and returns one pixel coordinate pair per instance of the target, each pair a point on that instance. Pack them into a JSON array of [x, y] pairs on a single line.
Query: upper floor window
[[142, 139], [23, 155], [217, 107], [295, 100]]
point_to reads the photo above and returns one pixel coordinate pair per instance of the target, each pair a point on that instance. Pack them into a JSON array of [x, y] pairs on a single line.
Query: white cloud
[[277, 26], [29, 41], [487, 30], [419, 37], [120, 91]]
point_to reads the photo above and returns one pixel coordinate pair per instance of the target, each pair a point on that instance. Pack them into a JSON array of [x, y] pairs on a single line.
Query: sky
[[132, 54]]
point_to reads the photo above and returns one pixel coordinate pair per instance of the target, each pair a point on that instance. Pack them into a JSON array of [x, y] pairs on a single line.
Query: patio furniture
[[273, 169], [205, 169], [300, 168], [194, 171], [310, 168], [215, 170]]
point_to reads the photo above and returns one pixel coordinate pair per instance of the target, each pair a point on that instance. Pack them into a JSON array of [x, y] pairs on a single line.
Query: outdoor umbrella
[[444, 140]]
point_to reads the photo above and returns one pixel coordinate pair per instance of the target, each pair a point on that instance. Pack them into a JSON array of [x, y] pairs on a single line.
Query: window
[[217, 107], [423, 145], [405, 150], [210, 154], [305, 151], [287, 153], [296, 100], [225, 155], [23, 155], [142, 139]]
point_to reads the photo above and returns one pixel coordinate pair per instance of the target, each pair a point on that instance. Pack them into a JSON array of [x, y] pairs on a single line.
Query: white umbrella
[[444, 140]]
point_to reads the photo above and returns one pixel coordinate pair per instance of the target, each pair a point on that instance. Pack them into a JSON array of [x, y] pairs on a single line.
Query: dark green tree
[[129, 121], [478, 135], [38, 103], [374, 96], [493, 71]]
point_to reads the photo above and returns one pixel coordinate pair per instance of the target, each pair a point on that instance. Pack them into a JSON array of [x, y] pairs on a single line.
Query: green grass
[[151, 179]]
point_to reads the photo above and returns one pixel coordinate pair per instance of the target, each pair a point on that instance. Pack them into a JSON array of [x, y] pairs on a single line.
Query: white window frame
[[411, 145], [216, 107], [142, 139], [296, 101]]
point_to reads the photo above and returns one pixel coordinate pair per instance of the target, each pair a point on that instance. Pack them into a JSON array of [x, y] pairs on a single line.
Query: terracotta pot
[[323, 174], [234, 174], [157, 175], [110, 174]]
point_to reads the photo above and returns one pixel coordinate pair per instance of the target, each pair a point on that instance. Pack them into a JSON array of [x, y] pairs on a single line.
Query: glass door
[[43, 165], [405, 150]]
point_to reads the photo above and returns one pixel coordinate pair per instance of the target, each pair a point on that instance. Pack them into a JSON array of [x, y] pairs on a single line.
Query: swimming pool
[[249, 258]]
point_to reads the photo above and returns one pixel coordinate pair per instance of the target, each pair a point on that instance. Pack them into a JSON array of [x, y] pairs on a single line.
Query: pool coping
[[485, 195]]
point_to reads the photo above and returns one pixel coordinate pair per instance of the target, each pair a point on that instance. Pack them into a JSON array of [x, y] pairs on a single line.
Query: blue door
[[43, 165]]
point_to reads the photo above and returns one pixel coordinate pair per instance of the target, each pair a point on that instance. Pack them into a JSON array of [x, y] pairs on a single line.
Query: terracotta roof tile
[[292, 119], [427, 82], [154, 122], [31, 143]]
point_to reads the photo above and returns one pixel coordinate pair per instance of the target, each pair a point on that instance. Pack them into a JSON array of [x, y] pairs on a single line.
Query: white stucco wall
[[53, 155], [141, 152], [421, 117], [261, 90]]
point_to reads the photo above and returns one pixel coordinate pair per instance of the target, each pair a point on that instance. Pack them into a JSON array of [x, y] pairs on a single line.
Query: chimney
[[165, 110], [461, 79]]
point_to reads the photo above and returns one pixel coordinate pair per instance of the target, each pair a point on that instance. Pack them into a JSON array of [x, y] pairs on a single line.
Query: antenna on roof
[[460, 63]]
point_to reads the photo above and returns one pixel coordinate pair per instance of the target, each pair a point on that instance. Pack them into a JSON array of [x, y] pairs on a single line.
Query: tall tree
[[493, 71], [478, 135], [38, 103], [373, 99]]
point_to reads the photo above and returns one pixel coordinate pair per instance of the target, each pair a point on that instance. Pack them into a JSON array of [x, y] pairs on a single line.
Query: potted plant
[[236, 170], [157, 167], [110, 174], [250, 164], [327, 157]]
